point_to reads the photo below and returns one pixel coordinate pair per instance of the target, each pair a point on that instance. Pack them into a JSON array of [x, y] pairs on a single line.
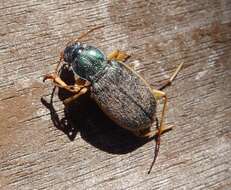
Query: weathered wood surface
[[80, 148]]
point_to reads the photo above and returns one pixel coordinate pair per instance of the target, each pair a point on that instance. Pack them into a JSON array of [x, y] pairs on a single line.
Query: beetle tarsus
[[157, 147], [169, 81], [48, 76]]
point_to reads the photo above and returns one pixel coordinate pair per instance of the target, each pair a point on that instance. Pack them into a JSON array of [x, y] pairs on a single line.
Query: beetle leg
[[80, 87], [61, 84], [82, 82], [67, 101], [54, 76], [118, 56], [158, 95], [150, 134], [168, 82]]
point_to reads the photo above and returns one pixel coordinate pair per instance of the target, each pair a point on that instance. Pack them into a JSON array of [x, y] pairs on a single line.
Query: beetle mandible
[[122, 94]]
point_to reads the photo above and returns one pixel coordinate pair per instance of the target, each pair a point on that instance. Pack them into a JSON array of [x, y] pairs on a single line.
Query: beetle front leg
[[69, 100], [118, 55], [61, 84], [80, 87]]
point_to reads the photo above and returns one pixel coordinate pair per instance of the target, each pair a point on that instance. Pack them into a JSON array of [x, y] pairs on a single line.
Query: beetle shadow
[[84, 116]]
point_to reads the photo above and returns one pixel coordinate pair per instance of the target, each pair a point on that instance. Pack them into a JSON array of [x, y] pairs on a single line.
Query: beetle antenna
[[89, 31], [59, 62], [86, 33], [157, 147]]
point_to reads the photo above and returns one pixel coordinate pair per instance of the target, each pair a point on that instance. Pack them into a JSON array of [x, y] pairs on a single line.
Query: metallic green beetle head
[[86, 61]]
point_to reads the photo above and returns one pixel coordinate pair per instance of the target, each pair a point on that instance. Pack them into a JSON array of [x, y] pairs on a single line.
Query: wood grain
[[44, 146]]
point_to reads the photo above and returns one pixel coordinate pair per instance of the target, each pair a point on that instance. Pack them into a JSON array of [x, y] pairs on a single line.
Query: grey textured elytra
[[124, 97]]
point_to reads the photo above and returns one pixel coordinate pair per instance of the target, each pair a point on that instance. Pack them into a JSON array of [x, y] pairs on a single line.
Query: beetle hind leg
[[158, 95], [147, 133]]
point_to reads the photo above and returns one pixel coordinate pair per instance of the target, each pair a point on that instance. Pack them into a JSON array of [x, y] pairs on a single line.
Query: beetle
[[121, 93]]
